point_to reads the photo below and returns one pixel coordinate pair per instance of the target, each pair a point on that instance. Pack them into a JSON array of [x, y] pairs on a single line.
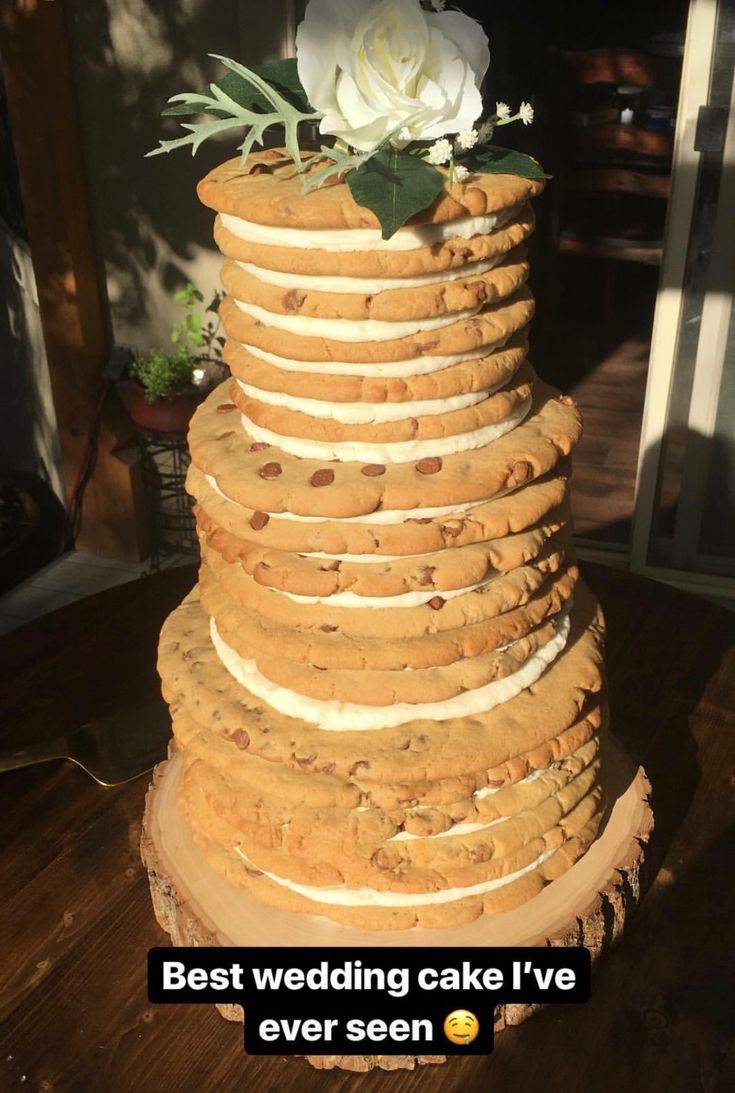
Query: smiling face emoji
[[461, 1027]]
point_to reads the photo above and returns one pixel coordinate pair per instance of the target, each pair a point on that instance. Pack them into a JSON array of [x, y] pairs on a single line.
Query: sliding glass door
[[684, 522]]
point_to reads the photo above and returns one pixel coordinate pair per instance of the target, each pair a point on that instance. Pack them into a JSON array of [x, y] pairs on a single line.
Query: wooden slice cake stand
[[586, 906]]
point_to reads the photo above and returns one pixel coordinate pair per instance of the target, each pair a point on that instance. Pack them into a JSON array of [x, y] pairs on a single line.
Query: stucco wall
[[129, 56]]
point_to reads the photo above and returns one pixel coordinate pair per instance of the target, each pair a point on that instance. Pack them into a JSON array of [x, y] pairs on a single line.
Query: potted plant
[[168, 386]]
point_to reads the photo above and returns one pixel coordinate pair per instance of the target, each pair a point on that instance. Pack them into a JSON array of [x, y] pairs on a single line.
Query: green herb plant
[[166, 374]]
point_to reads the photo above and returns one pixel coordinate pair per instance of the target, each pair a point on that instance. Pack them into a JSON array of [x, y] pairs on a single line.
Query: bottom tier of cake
[[429, 824]]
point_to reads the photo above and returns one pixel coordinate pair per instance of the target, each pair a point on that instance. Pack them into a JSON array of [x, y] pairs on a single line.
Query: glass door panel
[[692, 521]]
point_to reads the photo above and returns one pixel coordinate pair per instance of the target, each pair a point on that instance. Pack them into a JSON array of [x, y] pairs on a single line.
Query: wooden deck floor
[[604, 366]]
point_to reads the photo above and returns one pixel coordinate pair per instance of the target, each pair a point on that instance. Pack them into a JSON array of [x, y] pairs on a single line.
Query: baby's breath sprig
[[467, 140], [470, 144]]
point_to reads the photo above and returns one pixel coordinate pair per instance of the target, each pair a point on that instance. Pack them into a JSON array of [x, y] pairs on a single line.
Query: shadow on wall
[[28, 437], [129, 57]]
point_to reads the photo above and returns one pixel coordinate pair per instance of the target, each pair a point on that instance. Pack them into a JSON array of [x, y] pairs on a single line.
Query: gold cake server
[[112, 748]]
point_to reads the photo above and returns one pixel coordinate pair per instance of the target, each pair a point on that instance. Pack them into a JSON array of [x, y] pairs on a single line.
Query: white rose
[[377, 68]]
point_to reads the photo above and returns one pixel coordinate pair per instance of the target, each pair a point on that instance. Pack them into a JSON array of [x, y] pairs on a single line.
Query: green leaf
[[492, 160], [193, 323], [270, 104], [282, 75], [395, 185]]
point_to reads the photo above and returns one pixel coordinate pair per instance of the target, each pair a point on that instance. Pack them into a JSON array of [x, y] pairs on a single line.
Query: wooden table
[[76, 923]]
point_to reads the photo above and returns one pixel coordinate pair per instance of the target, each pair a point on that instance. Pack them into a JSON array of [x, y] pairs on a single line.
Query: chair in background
[[611, 177]]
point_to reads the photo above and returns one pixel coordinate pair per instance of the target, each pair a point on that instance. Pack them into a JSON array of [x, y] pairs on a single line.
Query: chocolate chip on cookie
[[270, 470], [373, 470], [431, 464], [226, 407], [519, 473], [258, 520], [436, 603], [259, 446], [322, 477], [293, 299]]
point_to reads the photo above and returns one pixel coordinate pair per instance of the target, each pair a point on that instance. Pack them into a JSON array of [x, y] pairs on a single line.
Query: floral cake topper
[[394, 84]]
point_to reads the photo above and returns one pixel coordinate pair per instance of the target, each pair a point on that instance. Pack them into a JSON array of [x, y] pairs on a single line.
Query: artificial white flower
[[460, 173], [485, 132], [440, 152], [525, 113], [438, 5], [380, 69], [467, 139], [502, 110]]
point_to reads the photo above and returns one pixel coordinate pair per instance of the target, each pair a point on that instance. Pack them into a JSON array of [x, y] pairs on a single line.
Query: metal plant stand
[[164, 461]]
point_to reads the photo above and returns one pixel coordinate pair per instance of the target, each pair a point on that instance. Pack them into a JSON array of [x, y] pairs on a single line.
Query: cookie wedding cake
[[387, 688]]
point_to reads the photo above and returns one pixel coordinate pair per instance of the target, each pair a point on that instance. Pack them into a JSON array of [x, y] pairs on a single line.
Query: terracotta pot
[[165, 415]]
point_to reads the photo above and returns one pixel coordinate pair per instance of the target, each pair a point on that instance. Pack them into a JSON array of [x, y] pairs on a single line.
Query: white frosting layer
[[403, 599], [366, 413], [488, 791], [385, 516], [352, 330], [400, 451], [335, 716], [455, 829], [342, 896], [360, 559], [415, 366], [362, 239], [372, 285]]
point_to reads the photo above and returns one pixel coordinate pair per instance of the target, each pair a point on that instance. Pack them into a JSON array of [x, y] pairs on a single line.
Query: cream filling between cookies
[[407, 369], [353, 330], [371, 285], [367, 413], [403, 599], [384, 516], [399, 451], [361, 239], [455, 829], [343, 896], [488, 791], [334, 716], [360, 559]]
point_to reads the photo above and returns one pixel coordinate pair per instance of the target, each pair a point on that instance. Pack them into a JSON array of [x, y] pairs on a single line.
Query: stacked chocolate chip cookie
[[386, 690]]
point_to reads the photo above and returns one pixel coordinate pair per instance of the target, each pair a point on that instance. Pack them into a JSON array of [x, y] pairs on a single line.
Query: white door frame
[[694, 90], [699, 54]]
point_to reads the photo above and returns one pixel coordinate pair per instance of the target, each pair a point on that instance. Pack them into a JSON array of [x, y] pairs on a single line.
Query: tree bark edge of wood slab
[[597, 925]]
